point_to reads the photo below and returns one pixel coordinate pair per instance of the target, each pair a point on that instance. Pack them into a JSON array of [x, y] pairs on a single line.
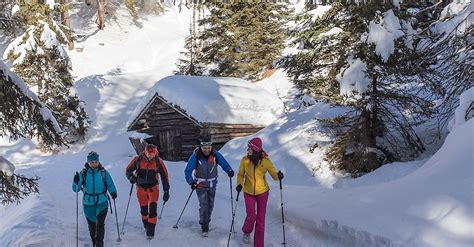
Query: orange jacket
[[252, 177]]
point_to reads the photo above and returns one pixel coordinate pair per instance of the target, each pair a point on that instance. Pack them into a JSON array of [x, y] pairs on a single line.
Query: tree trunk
[[101, 14], [66, 22]]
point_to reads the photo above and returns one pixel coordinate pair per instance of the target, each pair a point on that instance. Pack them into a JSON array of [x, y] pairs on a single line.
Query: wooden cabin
[[181, 110]]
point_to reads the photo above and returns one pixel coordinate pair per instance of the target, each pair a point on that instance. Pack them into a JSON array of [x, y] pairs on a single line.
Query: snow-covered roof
[[216, 100]]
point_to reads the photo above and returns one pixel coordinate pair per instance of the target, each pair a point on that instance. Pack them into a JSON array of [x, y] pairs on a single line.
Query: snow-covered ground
[[421, 203]]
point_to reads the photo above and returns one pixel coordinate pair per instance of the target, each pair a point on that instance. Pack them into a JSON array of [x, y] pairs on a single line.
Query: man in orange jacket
[[144, 170]]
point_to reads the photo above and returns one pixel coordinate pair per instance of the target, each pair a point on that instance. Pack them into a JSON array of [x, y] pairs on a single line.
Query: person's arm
[[241, 174], [271, 169], [222, 162], [131, 167], [164, 176], [110, 183], [77, 187], [188, 171]]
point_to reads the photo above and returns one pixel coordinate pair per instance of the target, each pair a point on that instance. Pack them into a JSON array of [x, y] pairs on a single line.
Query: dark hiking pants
[[97, 229], [206, 204]]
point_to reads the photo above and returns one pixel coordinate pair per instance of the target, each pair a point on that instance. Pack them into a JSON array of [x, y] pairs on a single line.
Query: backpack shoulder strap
[[104, 178], [84, 174]]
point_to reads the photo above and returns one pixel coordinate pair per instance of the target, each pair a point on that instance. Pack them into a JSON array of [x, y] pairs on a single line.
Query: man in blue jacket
[[204, 163], [95, 181]]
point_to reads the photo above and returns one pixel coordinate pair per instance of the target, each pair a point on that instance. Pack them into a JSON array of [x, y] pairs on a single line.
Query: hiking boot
[[205, 230], [246, 238], [150, 231]]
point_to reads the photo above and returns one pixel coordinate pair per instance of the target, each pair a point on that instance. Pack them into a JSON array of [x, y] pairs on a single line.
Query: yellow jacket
[[252, 177]]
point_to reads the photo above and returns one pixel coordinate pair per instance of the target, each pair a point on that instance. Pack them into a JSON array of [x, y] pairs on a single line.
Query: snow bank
[[288, 142], [431, 206], [465, 101], [6, 166], [216, 99]]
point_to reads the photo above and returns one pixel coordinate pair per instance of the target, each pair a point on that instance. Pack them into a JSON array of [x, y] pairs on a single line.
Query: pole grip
[[280, 184], [237, 199]]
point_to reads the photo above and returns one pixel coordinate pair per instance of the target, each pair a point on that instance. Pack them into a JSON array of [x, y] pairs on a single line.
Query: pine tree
[[39, 58], [357, 55], [14, 187], [22, 114], [242, 38], [447, 41], [192, 63]]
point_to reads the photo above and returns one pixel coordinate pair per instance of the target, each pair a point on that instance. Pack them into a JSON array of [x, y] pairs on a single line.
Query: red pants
[[258, 219], [148, 200]]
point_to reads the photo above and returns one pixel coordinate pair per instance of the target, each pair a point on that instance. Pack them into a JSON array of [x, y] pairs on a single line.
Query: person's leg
[[250, 209], [211, 194], [259, 235], [153, 204], [143, 201], [89, 212], [203, 207], [100, 224]]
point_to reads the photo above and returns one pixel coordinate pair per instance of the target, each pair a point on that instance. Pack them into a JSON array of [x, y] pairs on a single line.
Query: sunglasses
[[206, 143], [94, 162]]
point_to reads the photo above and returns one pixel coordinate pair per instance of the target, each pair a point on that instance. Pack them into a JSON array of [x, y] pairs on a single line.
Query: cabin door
[[170, 144]]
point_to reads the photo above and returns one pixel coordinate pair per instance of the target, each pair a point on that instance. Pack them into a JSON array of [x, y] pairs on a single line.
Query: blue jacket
[[206, 177], [94, 185]]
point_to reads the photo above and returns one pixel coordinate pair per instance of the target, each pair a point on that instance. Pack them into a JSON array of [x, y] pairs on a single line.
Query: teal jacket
[[93, 188]]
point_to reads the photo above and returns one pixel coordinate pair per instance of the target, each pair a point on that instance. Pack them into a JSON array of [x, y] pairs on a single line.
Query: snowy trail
[[112, 89]]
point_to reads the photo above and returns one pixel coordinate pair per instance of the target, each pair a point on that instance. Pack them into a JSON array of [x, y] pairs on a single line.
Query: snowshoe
[[205, 234], [149, 238]]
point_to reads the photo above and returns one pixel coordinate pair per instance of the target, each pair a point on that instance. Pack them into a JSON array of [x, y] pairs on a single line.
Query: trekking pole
[[231, 204], [116, 220], [77, 215], [282, 215], [126, 211], [176, 226], [233, 217], [161, 213]]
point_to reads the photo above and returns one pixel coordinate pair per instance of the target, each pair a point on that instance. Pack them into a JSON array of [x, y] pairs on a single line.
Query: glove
[[133, 179], [230, 173], [238, 188], [194, 186], [166, 196], [76, 178], [114, 195], [280, 175]]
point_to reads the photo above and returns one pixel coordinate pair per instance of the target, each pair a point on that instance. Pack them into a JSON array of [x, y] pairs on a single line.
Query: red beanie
[[255, 144]]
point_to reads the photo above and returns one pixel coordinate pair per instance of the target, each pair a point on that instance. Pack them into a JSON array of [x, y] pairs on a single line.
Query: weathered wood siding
[[174, 133], [222, 133]]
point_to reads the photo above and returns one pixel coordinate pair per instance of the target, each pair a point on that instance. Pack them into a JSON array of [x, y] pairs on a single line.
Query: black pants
[[97, 229]]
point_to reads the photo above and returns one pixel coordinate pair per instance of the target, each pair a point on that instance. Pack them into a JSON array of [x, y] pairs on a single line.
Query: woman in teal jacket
[[95, 181]]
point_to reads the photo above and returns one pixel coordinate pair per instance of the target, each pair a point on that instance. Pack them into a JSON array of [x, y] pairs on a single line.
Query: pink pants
[[255, 219]]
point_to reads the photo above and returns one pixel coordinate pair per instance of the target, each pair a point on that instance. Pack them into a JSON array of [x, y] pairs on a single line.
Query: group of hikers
[[145, 170]]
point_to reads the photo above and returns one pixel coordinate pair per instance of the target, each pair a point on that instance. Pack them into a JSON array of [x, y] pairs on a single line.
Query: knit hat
[[92, 156], [151, 150], [255, 144]]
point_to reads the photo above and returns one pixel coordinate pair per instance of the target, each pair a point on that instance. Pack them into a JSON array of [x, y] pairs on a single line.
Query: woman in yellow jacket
[[251, 178]]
